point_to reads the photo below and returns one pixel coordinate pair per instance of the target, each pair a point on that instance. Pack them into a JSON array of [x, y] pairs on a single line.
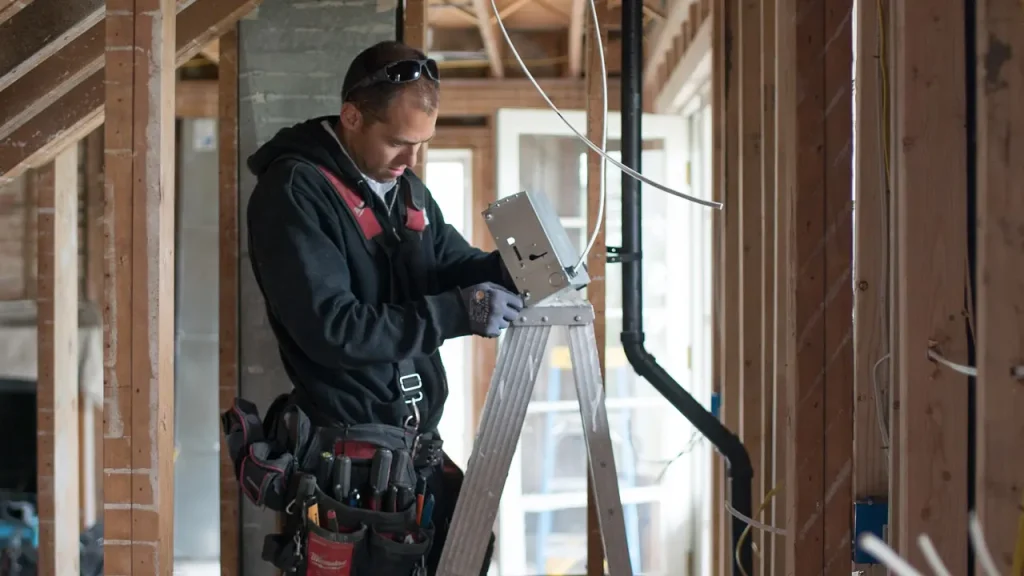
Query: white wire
[[753, 523], [981, 550], [876, 547], [600, 150], [965, 370], [931, 555]]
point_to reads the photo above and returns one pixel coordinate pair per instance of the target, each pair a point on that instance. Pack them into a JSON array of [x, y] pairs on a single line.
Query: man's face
[[385, 148]]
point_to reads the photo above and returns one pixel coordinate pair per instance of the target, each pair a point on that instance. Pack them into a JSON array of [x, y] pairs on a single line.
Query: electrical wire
[[600, 150], [751, 522], [931, 555], [746, 531], [883, 553], [988, 565]]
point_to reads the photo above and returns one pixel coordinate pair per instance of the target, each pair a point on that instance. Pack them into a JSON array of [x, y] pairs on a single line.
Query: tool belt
[[353, 498]]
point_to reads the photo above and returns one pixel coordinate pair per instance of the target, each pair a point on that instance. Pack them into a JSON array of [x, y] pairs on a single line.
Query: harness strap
[[410, 384]]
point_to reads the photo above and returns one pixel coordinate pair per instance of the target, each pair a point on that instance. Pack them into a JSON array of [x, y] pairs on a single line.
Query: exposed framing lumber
[[91, 492], [686, 69], [489, 35], [414, 33], [40, 30], [8, 8], [871, 297], [895, 413], [597, 258], [814, 124], [228, 286], [932, 244], [81, 111], [718, 49], [139, 292], [748, 229], [57, 393], [482, 98], [211, 51], [662, 39], [1000, 275], [769, 480], [576, 20], [731, 391]]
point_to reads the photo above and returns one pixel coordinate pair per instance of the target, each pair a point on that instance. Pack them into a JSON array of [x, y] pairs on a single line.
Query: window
[[449, 178], [542, 523]]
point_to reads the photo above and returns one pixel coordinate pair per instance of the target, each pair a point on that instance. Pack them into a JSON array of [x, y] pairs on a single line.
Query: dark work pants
[[445, 484]]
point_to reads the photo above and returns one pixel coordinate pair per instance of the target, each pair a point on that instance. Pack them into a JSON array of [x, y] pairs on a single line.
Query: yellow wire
[[746, 531]]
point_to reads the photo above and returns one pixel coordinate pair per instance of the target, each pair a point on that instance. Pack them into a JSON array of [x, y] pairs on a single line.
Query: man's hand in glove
[[491, 308]]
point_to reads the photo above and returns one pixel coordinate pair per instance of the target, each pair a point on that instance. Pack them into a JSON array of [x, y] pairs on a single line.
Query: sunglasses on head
[[401, 72]]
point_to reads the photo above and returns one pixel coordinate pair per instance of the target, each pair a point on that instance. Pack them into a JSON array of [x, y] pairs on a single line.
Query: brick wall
[[292, 60]]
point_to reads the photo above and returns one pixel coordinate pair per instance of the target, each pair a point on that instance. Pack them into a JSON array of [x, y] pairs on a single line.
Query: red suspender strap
[[415, 218], [356, 205]]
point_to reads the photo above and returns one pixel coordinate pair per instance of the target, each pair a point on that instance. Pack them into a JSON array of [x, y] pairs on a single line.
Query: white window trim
[[511, 124]]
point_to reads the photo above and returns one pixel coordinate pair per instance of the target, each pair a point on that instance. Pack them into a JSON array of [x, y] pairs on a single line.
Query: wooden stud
[[769, 481], [815, 119], [596, 263], [871, 296], [227, 169], [1000, 277], [718, 531], [489, 35], [747, 205], [57, 393], [139, 298], [91, 492], [731, 398], [414, 33], [932, 244], [576, 27]]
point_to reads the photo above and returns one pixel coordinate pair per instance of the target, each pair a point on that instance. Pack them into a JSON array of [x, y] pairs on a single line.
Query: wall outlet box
[[535, 247], [869, 516]]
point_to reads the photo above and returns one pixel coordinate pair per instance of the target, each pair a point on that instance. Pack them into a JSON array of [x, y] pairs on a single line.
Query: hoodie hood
[[308, 141]]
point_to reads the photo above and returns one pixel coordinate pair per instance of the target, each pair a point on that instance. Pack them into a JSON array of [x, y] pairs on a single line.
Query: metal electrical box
[[534, 246]]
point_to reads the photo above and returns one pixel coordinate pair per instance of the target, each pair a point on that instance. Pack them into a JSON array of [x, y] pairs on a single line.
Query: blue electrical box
[[716, 404], [868, 516]]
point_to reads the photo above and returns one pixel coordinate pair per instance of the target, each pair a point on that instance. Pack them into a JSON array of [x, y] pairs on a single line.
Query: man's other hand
[[491, 308]]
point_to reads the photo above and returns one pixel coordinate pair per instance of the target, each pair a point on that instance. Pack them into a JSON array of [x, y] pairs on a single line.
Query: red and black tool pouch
[[263, 462]]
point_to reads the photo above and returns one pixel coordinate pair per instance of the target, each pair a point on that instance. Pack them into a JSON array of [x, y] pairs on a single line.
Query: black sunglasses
[[401, 72]]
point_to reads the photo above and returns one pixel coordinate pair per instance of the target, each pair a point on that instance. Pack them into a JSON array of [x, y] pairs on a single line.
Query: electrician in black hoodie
[[350, 316]]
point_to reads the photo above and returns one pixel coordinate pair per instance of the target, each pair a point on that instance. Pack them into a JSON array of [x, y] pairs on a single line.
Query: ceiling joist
[[80, 109], [489, 34], [40, 30], [8, 8]]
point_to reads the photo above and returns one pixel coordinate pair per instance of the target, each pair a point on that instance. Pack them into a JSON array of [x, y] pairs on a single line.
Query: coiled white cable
[[604, 132]]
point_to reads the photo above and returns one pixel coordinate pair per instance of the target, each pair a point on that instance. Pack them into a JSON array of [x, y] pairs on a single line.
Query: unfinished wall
[[292, 60]]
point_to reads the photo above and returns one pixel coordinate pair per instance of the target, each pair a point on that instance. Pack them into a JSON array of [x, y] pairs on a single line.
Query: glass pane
[[551, 164]]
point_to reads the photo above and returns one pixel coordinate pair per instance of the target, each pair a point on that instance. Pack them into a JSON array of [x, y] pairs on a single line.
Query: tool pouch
[[263, 461], [341, 540]]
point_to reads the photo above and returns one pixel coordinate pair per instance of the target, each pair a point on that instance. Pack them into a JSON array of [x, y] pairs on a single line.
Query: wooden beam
[[596, 259], [8, 8], [490, 37], [871, 297], [92, 419], [685, 75], [662, 39], [482, 98], [769, 479], [40, 30], [80, 110], [1000, 277], [139, 301], [718, 77], [415, 34], [579, 12], [932, 243], [196, 98], [212, 51], [730, 296], [747, 206], [815, 116], [227, 156], [57, 397]]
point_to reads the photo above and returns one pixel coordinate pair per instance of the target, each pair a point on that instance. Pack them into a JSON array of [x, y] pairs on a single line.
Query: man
[[363, 279]]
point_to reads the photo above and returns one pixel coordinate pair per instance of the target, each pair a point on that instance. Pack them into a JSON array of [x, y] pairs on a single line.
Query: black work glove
[[491, 308]]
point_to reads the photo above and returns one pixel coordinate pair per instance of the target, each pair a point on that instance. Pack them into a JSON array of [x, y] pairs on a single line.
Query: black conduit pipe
[[740, 470]]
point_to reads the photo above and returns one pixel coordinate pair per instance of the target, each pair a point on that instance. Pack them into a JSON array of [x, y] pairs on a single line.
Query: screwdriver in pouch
[[401, 479], [380, 470], [341, 477], [323, 471]]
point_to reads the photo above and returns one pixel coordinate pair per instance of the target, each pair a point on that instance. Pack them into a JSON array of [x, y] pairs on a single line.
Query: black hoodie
[[339, 324]]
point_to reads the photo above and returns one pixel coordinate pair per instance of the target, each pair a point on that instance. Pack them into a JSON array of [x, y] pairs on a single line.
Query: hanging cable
[[600, 150]]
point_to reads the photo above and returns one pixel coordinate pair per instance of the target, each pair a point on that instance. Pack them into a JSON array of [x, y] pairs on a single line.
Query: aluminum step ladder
[[501, 424]]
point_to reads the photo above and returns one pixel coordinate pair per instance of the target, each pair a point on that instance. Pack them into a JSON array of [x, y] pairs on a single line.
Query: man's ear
[[351, 117]]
